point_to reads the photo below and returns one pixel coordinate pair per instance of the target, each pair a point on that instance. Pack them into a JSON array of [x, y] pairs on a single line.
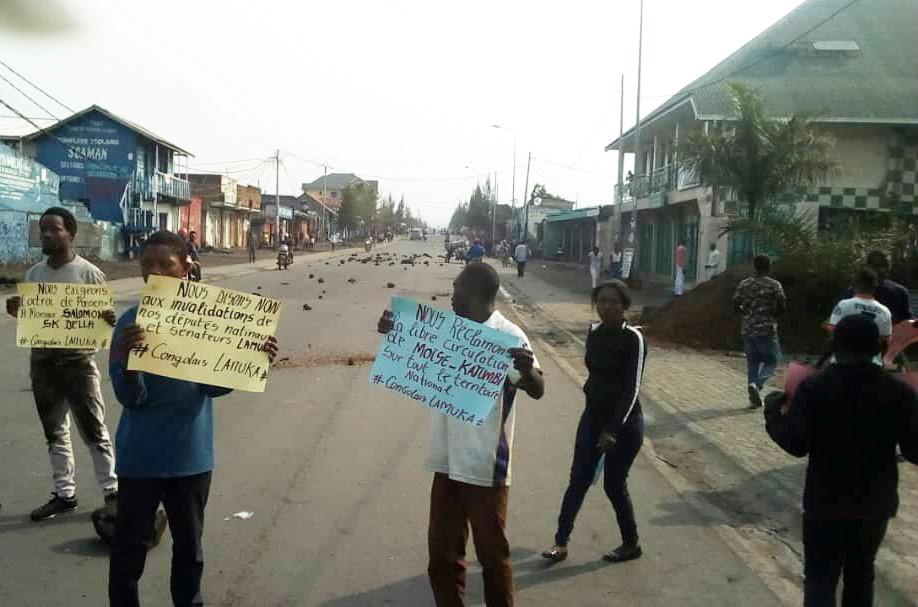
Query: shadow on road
[[85, 546], [19, 522], [529, 570]]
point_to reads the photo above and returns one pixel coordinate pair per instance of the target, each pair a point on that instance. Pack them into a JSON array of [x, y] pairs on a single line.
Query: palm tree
[[759, 157]]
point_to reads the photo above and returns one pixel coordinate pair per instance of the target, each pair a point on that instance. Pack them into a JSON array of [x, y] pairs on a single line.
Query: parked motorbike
[[283, 257]]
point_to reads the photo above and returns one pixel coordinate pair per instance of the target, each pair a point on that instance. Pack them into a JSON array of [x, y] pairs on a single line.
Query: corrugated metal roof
[[875, 84], [126, 123]]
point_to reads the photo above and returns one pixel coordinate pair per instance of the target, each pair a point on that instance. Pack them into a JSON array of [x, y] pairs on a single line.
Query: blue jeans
[[762, 355], [583, 469]]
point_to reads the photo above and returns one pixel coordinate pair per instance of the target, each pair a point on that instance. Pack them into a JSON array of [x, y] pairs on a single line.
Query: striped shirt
[[479, 455]]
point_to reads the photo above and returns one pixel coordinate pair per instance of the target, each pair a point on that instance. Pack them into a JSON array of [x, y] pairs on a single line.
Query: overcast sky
[[400, 91]]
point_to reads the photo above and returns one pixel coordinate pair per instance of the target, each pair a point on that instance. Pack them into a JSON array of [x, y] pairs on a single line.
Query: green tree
[[358, 207], [459, 218], [760, 157]]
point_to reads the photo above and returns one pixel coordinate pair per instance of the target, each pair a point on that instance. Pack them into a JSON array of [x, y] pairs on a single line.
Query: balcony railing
[[164, 185], [662, 180]]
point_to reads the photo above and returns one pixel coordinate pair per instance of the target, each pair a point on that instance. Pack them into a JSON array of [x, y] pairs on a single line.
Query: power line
[[38, 88], [26, 95]]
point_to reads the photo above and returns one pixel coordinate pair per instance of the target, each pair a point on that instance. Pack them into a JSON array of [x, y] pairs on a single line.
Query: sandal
[[556, 554]]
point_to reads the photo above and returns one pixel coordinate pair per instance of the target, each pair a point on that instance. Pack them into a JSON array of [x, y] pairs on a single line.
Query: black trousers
[[184, 499], [615, 476], [520, 268], [833, 546]]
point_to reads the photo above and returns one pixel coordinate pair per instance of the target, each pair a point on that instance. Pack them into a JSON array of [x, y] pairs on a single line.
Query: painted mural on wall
[[26, 190], [95, 157]]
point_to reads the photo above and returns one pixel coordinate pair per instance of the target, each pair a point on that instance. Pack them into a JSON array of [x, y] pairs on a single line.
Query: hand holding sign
[[449, 363], [62, 315], [204, 334]]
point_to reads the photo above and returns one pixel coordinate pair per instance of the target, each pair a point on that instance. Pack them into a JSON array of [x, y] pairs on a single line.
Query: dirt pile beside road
[[703, 318]]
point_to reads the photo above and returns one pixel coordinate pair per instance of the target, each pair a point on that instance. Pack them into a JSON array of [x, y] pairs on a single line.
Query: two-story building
[[228, 209], [121, 172], [329, 189], [850, 67]]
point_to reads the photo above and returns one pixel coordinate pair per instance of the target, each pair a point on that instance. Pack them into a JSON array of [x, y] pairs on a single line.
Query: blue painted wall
[[99, 157], [26, 190]]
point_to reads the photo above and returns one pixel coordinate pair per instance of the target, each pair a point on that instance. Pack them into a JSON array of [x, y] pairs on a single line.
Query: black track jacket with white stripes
[[615, 358]]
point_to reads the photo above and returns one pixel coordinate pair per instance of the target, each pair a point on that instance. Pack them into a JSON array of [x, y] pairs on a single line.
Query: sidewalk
[[698, 425]]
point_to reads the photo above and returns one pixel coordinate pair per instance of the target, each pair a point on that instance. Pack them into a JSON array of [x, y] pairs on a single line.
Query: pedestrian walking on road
[[713, 265], [253, 246], [681, 262], [521, 255], [615, 262], [612, 424], [760, 300], [471, 463], [165, 451], [66, 382], [595, 265], [848, 419], [863, 303]]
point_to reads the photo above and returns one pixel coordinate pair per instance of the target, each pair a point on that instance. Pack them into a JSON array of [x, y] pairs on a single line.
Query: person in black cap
[[849, 419]]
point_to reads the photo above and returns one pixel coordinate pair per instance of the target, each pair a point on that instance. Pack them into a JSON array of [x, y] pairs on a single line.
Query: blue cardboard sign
[[451, 364]]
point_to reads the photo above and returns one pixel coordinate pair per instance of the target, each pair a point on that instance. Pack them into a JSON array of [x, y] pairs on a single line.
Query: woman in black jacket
[[612, 422]]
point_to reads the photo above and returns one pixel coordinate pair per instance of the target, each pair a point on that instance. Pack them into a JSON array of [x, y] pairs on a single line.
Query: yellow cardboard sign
[[204, 334], [63, 315]]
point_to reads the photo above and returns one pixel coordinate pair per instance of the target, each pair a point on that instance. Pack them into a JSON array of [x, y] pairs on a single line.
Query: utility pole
[[528, 202], [513, 179], [277, 194], [324, 202], [621, 144], [637, 126], [493, 212]]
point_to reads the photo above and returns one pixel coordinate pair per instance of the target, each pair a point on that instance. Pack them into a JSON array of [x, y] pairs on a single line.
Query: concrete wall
[[863, 153], [27, 188]]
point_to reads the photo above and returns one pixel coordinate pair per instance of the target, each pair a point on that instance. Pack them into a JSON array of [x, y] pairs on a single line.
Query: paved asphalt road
[[332, 469]]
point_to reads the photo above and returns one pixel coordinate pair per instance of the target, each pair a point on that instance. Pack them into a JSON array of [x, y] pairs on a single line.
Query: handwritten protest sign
[[63, 315], [450, 364], [204, 334]]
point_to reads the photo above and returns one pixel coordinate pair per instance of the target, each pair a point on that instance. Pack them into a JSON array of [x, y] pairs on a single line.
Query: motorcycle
[[283, 257]]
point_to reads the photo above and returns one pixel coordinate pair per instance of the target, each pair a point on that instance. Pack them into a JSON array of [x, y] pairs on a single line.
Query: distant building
[[228, 209], [847, 66], [121, 172], [329, 189]]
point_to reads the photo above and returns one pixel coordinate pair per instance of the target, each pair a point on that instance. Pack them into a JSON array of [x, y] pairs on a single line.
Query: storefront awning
[[574, 215]]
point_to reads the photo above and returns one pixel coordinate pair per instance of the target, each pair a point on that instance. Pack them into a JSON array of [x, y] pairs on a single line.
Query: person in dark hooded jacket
[[848, 419]]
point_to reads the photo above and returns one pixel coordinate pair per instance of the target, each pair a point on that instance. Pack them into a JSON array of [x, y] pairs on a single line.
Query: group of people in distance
[[849, 418], [163, 451]]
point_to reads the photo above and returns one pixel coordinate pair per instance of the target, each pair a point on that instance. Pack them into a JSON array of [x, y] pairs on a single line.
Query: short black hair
[[856, 335], [877, 259], [70, 222], [624, 294], [167, 239], [762, 263], [482, 280], [866, 281]]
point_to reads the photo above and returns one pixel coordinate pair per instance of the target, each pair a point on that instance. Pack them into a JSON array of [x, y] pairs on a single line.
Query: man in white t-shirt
[[864, 304], [521, 255], [471, 464], [595, 258]]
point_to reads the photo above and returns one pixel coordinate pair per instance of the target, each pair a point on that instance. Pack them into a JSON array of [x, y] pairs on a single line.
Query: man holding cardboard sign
[[471, 462], [65, 379]]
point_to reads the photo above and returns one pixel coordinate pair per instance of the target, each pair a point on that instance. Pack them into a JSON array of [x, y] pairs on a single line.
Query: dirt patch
[[309, 360], [703, 318]]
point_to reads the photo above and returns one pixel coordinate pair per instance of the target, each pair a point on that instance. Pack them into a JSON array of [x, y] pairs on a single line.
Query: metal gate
[[663, 265], [645, 248]]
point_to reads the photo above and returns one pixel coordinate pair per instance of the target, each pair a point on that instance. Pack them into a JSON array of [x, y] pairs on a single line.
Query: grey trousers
[[73, 389]]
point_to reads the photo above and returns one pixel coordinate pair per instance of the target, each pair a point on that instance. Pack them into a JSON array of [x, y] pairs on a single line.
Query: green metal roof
[[806, 63]]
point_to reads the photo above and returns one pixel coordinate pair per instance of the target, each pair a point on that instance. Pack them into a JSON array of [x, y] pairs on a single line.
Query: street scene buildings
[[388, 321]]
